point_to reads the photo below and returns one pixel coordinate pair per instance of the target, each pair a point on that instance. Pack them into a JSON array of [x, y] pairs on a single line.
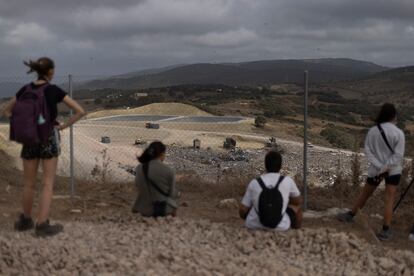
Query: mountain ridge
[[251, 73]]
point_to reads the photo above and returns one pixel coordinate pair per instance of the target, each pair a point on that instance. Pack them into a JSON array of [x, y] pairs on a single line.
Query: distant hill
[[403, 74], [395, 85], [253, 73], [154, 109], [148, 71]]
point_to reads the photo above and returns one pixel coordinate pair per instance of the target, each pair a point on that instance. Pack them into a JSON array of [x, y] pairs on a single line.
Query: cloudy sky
[[91, 37]]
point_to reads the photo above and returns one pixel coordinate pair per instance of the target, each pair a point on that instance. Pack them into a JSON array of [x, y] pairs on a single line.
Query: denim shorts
[[47, 150]]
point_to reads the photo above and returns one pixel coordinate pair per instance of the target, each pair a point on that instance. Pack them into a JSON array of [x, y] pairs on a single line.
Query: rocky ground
[[207, 238], [130, 245], [324, 164], [210, 163]]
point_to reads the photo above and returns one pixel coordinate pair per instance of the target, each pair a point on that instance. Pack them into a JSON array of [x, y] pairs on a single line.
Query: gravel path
[[133, 245]]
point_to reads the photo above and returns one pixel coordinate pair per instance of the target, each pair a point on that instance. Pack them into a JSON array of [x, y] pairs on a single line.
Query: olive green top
[[164, 177]]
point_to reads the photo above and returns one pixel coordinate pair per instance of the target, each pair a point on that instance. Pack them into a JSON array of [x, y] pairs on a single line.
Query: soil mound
[[154, 109]]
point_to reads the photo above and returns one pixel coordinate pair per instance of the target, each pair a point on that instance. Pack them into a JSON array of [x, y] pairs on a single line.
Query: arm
[[243, 211], [296, 201], [174, 195], [79, 112], [398, 156], [173, 189], [7, 111], [135, 208], [369, 153], [246, 203], [136, 176]]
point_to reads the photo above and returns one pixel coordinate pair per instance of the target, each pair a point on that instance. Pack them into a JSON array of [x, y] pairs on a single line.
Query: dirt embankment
[[154, 109], [130, 245], [102, 236]]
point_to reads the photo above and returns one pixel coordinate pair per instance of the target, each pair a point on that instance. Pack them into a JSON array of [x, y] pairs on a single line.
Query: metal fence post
[[72, 174], [305, 143]]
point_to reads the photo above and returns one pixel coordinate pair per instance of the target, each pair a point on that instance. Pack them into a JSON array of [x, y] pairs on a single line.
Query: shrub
[[260, 121], [337, 137]]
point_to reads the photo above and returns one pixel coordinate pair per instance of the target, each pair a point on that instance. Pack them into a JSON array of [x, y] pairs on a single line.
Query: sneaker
[[345, 217], [384, 235], [23, 224], [46, 229]]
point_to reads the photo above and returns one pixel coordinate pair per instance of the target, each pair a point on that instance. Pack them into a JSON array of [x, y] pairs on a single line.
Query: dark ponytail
[[42, 66], [154, 151], [387, 113]]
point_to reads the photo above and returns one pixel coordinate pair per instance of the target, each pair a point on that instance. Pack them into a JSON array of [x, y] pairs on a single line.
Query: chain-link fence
[[113, 134], [210, 130], [121, 123]]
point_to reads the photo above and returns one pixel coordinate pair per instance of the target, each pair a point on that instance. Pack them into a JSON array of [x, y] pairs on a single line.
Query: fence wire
[[122, 122], [109, 140]]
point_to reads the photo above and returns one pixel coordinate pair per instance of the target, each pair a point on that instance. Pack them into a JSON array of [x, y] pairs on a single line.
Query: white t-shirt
[[287, 188]]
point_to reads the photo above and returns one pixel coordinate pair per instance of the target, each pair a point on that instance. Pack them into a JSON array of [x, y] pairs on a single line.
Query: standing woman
[[384, 148], [157, 194], [36, 151]]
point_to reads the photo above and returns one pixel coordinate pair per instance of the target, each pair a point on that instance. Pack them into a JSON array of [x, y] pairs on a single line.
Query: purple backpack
[[30, 122]]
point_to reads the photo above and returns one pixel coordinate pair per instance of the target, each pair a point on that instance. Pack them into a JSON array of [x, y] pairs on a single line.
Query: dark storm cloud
[[354, 10], [102, 37], [46, 8]]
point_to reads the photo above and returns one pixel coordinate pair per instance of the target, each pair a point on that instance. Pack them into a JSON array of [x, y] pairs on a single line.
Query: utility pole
[[305, 142]]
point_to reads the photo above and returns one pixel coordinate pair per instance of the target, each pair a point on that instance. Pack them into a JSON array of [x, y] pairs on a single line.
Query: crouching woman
[[157, 194]]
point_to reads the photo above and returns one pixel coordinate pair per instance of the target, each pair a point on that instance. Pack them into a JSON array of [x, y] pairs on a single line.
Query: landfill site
[[198, 142], [214, 160]]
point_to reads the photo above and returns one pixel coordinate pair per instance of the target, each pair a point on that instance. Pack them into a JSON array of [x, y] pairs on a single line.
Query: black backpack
[[270, 204]]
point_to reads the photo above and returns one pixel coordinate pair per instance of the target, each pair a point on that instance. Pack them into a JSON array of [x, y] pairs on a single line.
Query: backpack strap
[[153, 184], [27, 88], [261, 183], [263, 186], [381, 130], [281, 178], [161, 191]]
